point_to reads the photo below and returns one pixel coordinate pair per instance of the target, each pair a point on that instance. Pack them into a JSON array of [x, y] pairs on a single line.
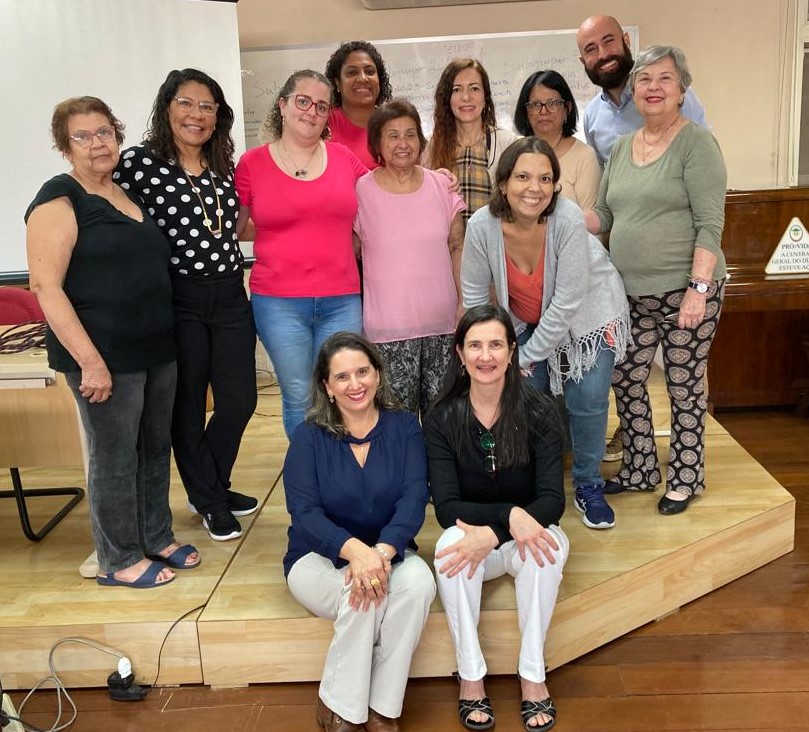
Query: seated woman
[[496, 473], [411, 230], [99, 268], [564, 295], [546, 109], [355, 478]]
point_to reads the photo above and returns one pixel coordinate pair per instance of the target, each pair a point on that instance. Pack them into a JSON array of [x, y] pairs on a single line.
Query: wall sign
[[791, 256]]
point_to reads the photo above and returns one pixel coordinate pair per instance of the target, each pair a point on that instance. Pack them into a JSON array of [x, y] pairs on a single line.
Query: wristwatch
[[701, 286]]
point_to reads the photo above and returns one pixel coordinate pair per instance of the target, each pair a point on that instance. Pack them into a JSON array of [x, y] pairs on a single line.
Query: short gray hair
[[653, 54]]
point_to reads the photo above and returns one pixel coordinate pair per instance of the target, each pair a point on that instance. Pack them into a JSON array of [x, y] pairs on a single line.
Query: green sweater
[[658, 213]]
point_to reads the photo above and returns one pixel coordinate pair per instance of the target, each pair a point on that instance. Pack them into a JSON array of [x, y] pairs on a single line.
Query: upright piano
[[757, 358]]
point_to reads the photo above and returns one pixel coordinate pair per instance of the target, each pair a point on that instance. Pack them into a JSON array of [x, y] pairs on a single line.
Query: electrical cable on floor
[[59, 686], [273, 389], [5, 718], [166, 637]]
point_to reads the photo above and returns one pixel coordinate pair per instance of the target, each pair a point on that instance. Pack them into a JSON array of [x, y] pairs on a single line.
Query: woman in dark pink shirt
[[299, 191], [361, 84]]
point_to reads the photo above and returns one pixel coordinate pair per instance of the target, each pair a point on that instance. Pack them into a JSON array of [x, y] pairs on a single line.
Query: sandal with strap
[[467, 707], [178, 558], [530, 709]]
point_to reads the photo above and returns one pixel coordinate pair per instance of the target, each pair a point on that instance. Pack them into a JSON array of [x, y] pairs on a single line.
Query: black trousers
[[216, 345]]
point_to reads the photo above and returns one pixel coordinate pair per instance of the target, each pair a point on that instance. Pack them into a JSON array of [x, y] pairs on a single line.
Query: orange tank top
[[525, 291]]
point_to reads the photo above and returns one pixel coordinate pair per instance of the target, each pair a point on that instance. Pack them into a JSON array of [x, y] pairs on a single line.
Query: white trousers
[[536, 587], [368, 661]]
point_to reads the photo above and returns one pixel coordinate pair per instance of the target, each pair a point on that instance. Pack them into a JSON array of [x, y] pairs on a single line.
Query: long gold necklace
[[206, 219], [297, 171]]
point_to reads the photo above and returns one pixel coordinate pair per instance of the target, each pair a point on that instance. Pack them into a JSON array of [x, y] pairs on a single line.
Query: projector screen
[[118, 50]]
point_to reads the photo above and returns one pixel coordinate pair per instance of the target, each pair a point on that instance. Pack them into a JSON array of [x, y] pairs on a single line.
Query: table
[[39, 427]]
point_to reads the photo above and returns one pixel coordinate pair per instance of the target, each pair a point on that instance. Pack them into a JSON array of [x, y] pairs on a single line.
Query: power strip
[[9, 709]]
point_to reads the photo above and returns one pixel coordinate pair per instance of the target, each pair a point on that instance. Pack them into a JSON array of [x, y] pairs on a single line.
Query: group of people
[[485, 293]]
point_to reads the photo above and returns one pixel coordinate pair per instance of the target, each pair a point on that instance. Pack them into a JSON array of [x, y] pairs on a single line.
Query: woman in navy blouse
[[355, 478], [495, 451]]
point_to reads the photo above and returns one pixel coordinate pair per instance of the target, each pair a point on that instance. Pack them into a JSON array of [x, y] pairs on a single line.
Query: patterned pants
[[685, 359], [416, 368]]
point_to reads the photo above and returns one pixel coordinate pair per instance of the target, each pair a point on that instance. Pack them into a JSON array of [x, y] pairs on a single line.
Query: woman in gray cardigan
[[566, 299]]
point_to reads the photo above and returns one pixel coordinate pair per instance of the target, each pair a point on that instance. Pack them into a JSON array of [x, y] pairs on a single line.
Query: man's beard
[[612, 79]]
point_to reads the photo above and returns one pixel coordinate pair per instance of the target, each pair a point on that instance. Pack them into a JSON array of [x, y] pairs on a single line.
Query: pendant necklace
[[468, 151], [206, 219], [298, 172]]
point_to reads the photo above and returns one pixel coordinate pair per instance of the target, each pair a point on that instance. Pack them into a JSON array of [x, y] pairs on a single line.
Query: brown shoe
[[332, 722], [378, 723]]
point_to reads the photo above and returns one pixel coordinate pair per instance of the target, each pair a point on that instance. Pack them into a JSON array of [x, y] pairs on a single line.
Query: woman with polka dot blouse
[[183, 174]]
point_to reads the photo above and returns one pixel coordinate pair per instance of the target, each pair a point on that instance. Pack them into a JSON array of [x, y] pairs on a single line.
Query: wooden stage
[[236, 623]]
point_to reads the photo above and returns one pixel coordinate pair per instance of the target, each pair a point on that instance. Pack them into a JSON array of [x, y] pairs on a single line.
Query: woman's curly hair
[[335, 65]]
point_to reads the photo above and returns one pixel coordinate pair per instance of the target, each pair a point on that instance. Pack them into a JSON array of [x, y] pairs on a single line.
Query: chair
[[18, 305]]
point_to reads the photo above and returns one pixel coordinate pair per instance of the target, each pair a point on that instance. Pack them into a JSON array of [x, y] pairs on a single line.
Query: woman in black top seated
[[98, 265], [495, 459]]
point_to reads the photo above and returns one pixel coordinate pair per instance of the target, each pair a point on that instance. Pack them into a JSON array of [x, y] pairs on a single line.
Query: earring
[[331, 398], [463, 369]]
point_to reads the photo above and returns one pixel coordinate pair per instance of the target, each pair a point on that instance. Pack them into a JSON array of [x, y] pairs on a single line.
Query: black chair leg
[[21, 494]]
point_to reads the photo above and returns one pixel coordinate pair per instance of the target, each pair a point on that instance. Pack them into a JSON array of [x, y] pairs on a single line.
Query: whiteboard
[[118, 51], [415, 65]]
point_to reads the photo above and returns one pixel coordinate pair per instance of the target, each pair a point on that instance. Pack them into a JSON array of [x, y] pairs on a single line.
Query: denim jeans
[[587, 403], [292, 330], [129, 446], [216, 345]]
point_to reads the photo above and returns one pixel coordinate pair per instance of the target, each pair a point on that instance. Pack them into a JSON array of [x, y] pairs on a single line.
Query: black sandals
[[530, 709]]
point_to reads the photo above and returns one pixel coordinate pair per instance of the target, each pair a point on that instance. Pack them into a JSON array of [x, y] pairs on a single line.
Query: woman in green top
[[662, 198]]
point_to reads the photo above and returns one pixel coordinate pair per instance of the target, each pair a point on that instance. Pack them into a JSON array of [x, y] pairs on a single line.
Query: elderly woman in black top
[[98, 265], [494, 449], [182, 172]]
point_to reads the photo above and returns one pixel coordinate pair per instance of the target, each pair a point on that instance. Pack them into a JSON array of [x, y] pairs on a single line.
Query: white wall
[[119, 51], [740, 52]]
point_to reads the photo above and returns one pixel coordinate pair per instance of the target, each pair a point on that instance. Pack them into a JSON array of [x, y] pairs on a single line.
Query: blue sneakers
[[596, 512]]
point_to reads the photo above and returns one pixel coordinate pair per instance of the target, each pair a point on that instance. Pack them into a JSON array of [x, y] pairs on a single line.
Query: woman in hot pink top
[[361, 84], [299, 192], [411, 231]]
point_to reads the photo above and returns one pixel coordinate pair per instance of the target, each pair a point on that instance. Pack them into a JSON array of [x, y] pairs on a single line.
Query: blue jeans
[[292, 330], [587, 403], [129, 446]]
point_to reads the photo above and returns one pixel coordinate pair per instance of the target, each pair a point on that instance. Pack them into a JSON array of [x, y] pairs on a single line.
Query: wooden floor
[[715, 646]]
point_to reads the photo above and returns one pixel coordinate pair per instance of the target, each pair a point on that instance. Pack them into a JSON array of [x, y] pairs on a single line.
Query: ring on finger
[[375, 582]]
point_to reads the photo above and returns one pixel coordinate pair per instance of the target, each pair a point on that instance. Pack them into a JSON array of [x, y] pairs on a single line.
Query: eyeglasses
[[303, 103], [83, 138], [189, 105], [552, 105], [490, 460]]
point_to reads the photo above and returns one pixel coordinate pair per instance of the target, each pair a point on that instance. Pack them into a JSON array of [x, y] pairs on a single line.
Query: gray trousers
[[129, 450], [368, 661]]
